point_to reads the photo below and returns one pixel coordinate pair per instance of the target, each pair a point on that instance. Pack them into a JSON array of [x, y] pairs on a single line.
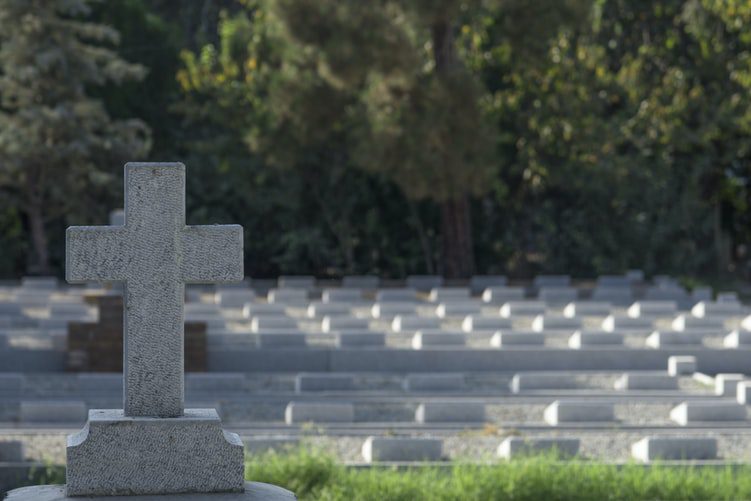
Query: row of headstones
[[413, 449], [446, 339]]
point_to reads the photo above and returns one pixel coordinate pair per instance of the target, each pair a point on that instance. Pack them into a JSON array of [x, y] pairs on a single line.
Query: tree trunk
[[40, 264], [456, 236], [456, 233]]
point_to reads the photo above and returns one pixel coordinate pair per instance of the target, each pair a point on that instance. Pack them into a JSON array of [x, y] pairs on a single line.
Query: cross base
[[254, 491], [117, 455]]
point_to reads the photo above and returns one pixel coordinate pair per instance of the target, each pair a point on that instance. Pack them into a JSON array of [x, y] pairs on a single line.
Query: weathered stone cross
[[155, 254]]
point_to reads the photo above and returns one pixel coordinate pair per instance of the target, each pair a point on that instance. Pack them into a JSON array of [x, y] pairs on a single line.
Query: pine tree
[[58, 144]]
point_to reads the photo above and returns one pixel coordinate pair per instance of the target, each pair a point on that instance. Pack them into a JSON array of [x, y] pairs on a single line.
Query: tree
[[59, 148]]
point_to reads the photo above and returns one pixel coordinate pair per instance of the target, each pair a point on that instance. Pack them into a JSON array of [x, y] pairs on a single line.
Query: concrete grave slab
[[522, 309], [500, 295], [450, 412], [593, 339], [674, 448], [323, 382], [646, 381], [681, 365], [513, 447], [360, 339], [437, 339], [476, 323], [337, 323], [726, 384], [402, 449], [434, 382], [587, 309], [504, 339], [691, 412], [407, 323], [525, 381], [578, 411], [319, 412]]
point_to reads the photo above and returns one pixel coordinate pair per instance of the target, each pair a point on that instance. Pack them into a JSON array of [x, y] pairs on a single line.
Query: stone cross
[[155, 254]]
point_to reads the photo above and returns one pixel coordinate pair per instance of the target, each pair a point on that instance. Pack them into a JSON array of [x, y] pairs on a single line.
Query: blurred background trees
[[395, 136]]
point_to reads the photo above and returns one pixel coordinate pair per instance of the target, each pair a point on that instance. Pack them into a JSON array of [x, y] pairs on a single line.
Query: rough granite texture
[[254, 491], [155, 254], [119, 455]]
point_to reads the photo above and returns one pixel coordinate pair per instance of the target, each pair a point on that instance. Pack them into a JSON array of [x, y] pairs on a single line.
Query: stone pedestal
[[117, 455], [254, 491]]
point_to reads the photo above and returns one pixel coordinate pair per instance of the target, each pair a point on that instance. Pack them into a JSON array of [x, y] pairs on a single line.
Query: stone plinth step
[[674, 448], [319, 412], [437, 339], [542, 381], [52, 411], [434, 382], [725, 384], [399, 449], [646, 381], [526, 446], [323, 382], [679, 365], [408, 323], [450, 412], [475, 323], [578, 411], [504, 339], [699, 412], [593, 339], [360, 339]]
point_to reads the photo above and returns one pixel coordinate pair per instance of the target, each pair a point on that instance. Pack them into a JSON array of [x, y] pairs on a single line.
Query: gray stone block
[[282, 339], [506, 339], [578, 411], [501, 295], [50, 411], [294, 297], [338, 323], [349, 295], [319, 412], [737, 339], [646, 381], [11, 382], [652, 309], [323, 382], [743, 392], [407, 323], [674, 448], [399, 449], [434, 382], [662, 339], [424, 283], [528, 446], [252, 310], [681, 365], [318, 309], [457, 309], [478, 283], [698, 412], [253, 491], [396, 296], [522, 309], [684, 322], [234, 298], [587, 309], [437, 339], [12, 451], [590, 339], [119, 455], [450, 412], [448, 294], [360, 339], [557, 295], [259, 324], [708, 309], [476, 323], [306, 282], [621, 323], [555, 321], [526, 381], [366, 282], [215, 381], [388, 311], [726, 384]]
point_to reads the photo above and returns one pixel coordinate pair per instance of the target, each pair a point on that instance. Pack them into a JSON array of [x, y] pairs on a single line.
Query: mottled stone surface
[[254, 491], [119, 455], [155, 254]]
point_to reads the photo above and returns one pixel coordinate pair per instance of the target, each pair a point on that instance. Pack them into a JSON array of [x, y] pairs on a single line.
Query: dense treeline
[[393, 136]]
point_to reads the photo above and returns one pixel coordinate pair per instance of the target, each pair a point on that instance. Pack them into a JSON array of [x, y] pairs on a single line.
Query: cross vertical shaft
[[154, 254]]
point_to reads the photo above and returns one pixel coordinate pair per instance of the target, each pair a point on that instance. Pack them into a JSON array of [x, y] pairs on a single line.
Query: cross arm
[[95, 253], [213, 253]]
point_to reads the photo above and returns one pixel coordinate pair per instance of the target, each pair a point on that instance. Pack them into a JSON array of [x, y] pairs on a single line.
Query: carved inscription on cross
[[155, 254]]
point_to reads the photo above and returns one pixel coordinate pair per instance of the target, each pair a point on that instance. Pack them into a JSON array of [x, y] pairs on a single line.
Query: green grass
[[315, 476]]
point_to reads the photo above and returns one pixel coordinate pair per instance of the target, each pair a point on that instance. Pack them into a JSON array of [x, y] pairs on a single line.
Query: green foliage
[[59, 148], [314, 476]]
